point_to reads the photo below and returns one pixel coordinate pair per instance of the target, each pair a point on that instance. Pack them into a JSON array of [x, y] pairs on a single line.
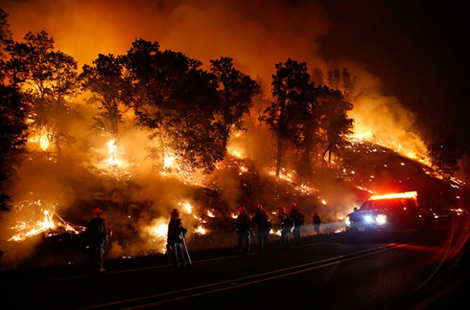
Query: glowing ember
[[200, 230], [290, 179], [174, 167], [210, 214], [243, 169]]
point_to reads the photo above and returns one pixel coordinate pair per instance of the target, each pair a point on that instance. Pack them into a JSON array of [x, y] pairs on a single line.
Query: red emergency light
[[411, 195]]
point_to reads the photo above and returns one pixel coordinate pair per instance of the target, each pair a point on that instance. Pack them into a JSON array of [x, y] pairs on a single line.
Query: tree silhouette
[[333, 120], [291, 114], [307, 116], [236, 94], [189, 109], [106, 82], [14, 110], [445, 151]]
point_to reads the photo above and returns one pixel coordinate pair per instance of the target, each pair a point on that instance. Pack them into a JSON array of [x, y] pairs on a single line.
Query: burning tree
[[304, 115], [50, 79], [190, 110], [173, 96]]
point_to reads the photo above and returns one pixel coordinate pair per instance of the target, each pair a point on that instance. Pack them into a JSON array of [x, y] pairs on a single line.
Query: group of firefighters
[[97, 232]]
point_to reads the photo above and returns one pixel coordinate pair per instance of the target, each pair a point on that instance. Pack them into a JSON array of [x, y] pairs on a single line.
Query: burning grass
[[47, 223], [138, 198]]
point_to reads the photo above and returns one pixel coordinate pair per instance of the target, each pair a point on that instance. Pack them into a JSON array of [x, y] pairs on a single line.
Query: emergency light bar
[[412, 195]]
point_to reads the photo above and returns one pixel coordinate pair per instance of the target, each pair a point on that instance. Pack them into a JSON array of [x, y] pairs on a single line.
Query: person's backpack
[[267, 224], [288, 223], [243, 223], [97, 231]]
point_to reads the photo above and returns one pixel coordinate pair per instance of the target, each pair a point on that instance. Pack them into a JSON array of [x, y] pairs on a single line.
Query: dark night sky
[[417, 48]]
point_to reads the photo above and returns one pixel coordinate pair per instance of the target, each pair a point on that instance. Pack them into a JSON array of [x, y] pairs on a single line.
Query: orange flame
[[47, 224]]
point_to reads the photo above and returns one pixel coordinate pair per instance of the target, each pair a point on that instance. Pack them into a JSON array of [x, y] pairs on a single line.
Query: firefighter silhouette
[[176, 234], [264, 225], [297, 217], [286, 227], [244, 231], [97, 234], [316, 222]]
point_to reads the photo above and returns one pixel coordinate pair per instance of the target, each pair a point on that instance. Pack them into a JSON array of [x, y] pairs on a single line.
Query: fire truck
[[385, 215]]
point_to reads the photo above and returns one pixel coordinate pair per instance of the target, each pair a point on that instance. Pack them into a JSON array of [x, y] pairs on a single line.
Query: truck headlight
[[381, 219], [347, 222], [368, 219]]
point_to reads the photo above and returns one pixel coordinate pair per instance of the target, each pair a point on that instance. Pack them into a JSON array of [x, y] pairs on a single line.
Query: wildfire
[[200, 230], [158, 232], [50, 224], [236, 153], [210, 213], [289, 178], [187, 207], [114, 164], [174, 167], [44, 141], [158, 228], [113, 159], [168, 161]]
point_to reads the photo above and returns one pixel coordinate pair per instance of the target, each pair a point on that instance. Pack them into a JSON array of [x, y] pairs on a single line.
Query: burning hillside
[[151, 129], [139, 223]]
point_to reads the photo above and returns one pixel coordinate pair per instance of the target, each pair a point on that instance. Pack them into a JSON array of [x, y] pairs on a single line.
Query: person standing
[[97, 234], [244, 231], [316, 222], [264, 225], [297, 217], [286, 227], [176, 234]]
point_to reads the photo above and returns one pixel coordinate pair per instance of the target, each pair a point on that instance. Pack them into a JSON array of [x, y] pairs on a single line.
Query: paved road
[[416, 271]]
